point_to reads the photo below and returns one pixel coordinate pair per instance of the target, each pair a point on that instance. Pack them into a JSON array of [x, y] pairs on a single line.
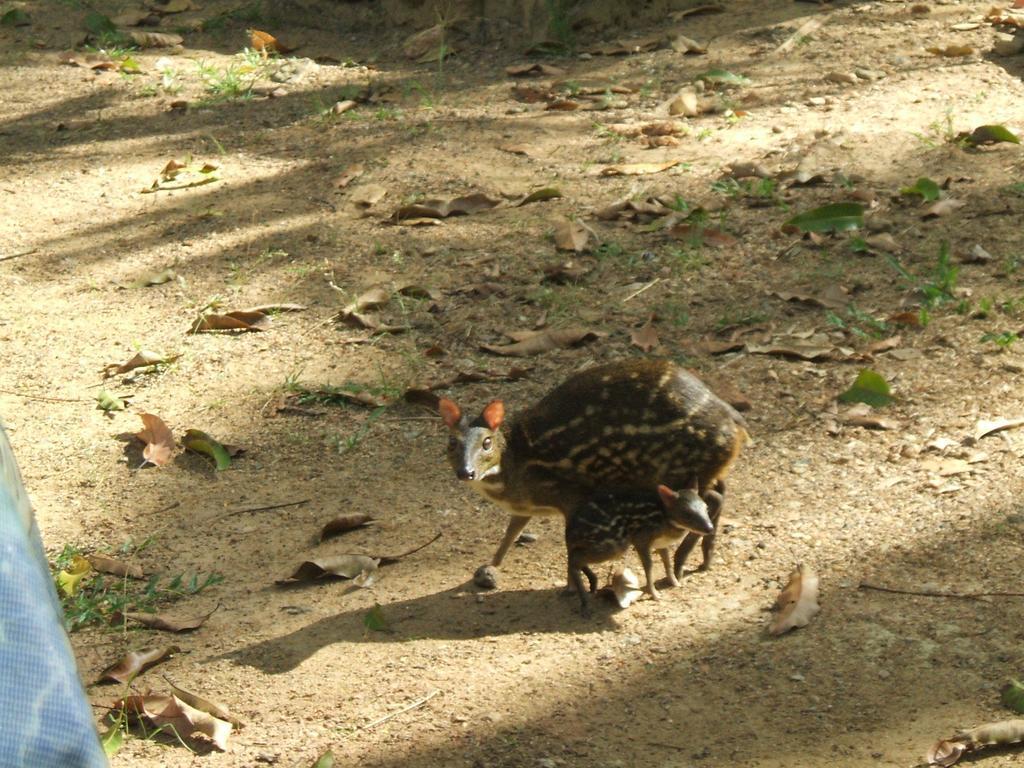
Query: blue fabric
[[45, 720]]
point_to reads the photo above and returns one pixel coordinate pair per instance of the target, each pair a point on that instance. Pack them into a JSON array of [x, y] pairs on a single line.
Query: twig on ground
[[636, 293], [935, 593], [44, 398], [18, 255], [266, 508], [389, 559], [803, 31], [415, 705]]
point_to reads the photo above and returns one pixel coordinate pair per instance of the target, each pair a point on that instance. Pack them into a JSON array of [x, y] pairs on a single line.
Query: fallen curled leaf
[[344, 524], [167, 623], [945, 753], [268, 309], [231, 321], [571, 235], [861, 415], [157, 278], [538, 195], [683, 44], [198, 441], [645, 337], [349, 175], [951, 50], [884, 345], [567, 272], [637, 169], [204, 704], [700, 235], [442, 209], [360, 569], [797, 604], [358, 320], [534, 70], [563, 105], [134, 663], [143, 359], [627, 47], [104, 564], [167, 710], [985, 427], [624, 588], [910, 319], [797, 351], [942, 208], [69, 580], [536, 342], [836, 299], [158, 439]]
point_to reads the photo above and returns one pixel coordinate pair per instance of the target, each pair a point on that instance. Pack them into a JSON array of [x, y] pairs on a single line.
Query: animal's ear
[[694, 485], [668, 496], [449, 412], [494, 414]]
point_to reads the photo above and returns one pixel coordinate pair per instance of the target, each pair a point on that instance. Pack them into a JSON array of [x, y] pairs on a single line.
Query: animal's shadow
[[459, 613]]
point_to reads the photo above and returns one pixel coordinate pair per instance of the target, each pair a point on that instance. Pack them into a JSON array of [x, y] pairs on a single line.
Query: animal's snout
[[465, 473]]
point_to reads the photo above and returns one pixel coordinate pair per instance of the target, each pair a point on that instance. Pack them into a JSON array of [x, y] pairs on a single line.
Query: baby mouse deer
[[603, 527], [627, 425]]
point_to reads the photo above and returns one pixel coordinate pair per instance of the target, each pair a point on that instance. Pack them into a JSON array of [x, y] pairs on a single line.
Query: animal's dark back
[[632, 424]]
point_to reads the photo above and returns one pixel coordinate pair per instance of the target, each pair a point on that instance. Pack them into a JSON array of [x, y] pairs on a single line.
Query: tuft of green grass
[[99, 598]]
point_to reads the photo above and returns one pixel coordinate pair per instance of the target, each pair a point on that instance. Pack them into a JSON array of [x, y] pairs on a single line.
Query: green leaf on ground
[[1012, 695], [835, 217], [991, 134], [105, 401], [326, 760], [200, 442], [925, 187], [375, 621], [871, 388]]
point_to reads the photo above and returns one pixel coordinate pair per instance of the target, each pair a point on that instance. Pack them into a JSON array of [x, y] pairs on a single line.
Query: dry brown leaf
[[861, 415], [231, 321], [570, 235], [369, 323], [984, 427], [716, 238], [797, 604], [628, 47], [951, 50], [698, 9], [645, 337], [568, 272], [170, 711], [367, 195], [534, 70], [811, 352], [884, 345], [442, 209], [942, 208], [637, 169], [361, 569], [372, 298], [203, 704], [526, 150], [167, 623], [134, 663], [143, 359], [536, 342], [624, 588], [344, 524], [882, 241], [158, 439], [683, 44], [945, 753], [105, 564], [349, 175], [826, 301], [910, 319]]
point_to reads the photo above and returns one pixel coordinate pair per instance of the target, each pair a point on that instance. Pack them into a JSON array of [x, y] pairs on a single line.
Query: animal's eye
[[487, 443], [453, 442]]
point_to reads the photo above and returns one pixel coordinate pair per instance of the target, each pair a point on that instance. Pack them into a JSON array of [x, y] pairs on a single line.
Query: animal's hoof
[[486, 577]]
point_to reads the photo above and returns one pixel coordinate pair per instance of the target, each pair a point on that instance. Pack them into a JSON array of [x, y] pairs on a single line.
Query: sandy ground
[[515, 677]]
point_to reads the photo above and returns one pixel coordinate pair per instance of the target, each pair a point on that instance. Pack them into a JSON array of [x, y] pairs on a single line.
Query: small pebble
[[486, 577], [526, 538]]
